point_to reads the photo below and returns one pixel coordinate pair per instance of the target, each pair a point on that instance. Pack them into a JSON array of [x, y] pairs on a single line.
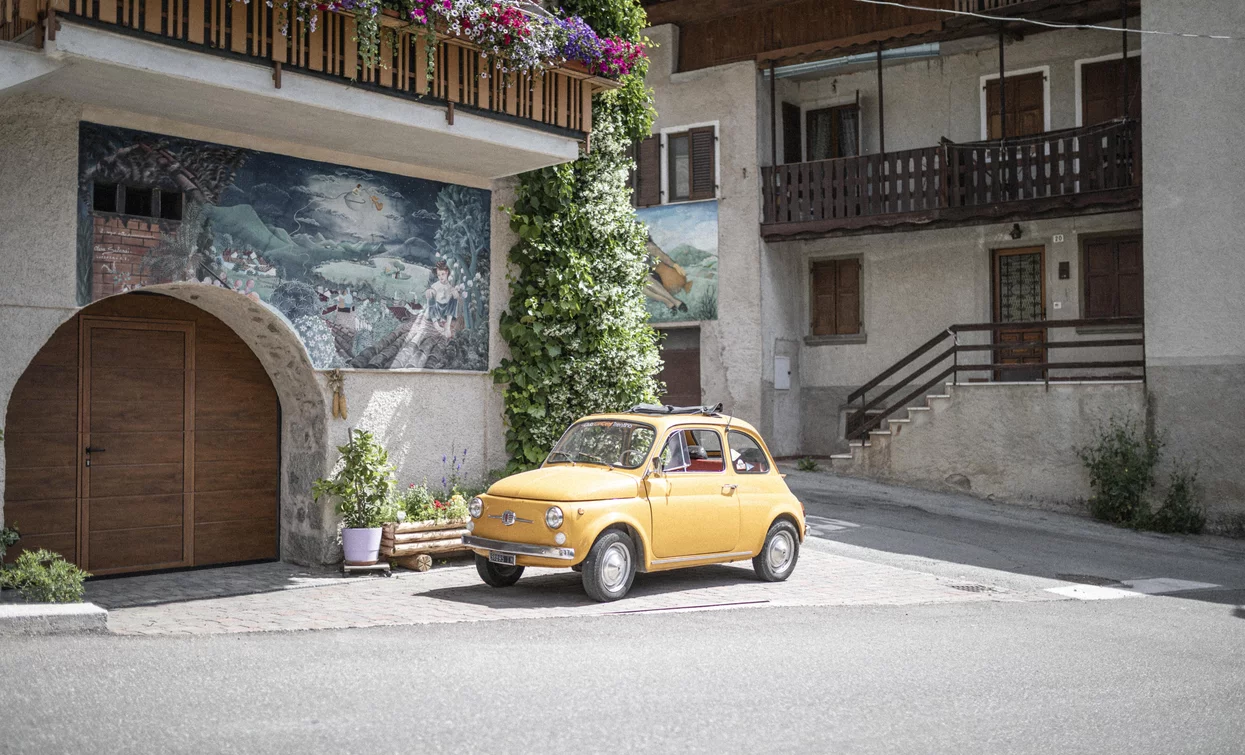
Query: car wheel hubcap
[[781, 549], [614, 566]]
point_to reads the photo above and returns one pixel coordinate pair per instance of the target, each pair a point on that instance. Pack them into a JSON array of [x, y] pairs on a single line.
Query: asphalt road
[[1160, 674]]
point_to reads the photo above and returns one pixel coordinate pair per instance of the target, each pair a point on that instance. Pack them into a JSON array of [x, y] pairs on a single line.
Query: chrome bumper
[[519, 549]]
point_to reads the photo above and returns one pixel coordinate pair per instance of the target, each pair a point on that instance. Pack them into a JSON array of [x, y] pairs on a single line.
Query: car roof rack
[[711, 411]]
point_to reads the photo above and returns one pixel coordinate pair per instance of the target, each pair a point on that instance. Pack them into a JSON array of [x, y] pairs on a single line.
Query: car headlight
[[553, 517], [476, 507]]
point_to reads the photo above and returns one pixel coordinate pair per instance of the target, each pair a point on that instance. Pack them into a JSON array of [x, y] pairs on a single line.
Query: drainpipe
[[1125, 91], [773, 115]]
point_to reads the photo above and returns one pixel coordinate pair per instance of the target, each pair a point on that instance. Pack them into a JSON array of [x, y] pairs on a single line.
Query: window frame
[[1079, 66], [667, 196], [770, 468], [684, 428], [836, 147], [984, 101], [156, 207], [812, 337], [1115, 237]]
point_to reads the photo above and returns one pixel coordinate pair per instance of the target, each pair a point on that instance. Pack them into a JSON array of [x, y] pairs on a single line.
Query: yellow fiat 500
[[652, 489]]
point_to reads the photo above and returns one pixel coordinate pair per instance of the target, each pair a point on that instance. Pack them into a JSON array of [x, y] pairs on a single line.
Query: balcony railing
[[1054, 172], [557, 99]]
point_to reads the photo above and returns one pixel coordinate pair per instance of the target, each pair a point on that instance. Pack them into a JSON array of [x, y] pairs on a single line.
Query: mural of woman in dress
[[443, 300]]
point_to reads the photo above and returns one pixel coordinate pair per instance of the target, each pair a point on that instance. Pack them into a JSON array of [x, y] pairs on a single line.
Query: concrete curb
[[51, 618]]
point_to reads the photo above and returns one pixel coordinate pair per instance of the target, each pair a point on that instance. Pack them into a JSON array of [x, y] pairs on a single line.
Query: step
[[880, 432], [937, 395], [898, 421], [842, 457]]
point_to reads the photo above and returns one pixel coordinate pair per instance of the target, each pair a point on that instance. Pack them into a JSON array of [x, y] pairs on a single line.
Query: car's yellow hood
[[563, 482]]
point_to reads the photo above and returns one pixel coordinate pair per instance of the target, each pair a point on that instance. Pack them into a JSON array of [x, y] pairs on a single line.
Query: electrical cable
[[1054, 24]]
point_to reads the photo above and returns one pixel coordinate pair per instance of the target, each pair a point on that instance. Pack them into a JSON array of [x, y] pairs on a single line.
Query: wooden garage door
[[188, 423]]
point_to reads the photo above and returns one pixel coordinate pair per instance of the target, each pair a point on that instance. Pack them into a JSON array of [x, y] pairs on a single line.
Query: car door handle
[[729, 489]]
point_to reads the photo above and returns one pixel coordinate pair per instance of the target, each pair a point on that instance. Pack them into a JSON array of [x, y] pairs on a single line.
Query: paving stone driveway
[[275, 597]]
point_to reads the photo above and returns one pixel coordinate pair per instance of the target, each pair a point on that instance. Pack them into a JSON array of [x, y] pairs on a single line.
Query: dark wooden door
[[681, 372], [1020, 296], [137, 435], [1026, 106]]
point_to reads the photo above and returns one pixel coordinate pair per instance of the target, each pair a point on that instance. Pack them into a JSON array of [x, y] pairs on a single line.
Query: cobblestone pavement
[[275, 597]]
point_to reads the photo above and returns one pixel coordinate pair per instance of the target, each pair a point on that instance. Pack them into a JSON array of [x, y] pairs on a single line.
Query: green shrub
[[421, 504], [1121, 466], [42, 576], [807, 464], [362, 483], [1180, 512]]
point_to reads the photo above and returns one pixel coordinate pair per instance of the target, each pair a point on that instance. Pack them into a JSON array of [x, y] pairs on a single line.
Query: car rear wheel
[[610, 566], [777, 558], [496, 575]]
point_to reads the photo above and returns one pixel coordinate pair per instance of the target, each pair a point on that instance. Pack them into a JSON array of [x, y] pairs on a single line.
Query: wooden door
[[1020, 296], [136, 507], [1026, 106]]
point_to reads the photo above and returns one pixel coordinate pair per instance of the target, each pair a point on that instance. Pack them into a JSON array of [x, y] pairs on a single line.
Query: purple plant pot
[[361, 546]]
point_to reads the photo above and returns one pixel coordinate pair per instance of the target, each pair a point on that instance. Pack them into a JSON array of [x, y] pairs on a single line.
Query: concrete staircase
[[873, 452]]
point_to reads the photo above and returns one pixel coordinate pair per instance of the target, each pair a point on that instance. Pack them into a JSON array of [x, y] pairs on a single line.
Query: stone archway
[[306, 527]]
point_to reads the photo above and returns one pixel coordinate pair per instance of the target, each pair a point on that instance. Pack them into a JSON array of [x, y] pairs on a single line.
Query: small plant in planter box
[[362, 486], [8, 538], [41, 576]]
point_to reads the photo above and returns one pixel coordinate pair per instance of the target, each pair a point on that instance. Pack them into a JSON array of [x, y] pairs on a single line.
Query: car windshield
[[610, 442]]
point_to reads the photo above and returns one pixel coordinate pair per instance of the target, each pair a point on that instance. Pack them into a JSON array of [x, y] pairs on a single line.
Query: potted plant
[[362, 486]]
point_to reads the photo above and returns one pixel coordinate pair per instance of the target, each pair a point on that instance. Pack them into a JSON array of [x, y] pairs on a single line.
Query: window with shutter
[[1114, 285], [1026, 106], [646, 181], [832, 132], [691, 165], [835, 297], [1102, 84]]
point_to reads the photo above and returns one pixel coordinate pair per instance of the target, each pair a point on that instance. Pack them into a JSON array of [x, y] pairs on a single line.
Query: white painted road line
[[1093, 592], [1160, 585], [1129, 588], [820, 525]]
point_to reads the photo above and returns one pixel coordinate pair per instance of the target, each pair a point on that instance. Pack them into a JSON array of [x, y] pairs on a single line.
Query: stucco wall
[[1195, 251], [730, 356], [1010, 441], [419, 415]]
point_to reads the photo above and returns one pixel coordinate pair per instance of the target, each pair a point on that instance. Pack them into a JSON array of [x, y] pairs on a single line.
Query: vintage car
[[648, 490]]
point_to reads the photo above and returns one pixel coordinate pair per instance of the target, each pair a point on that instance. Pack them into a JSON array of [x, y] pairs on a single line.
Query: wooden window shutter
[[648, 173], [1100, 279], [836, 297], [791, 141], [847, 298], [704, 171], [1131, 296]]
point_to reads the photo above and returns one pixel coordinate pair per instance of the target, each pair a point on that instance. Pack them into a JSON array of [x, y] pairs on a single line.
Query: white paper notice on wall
[[782, 373]]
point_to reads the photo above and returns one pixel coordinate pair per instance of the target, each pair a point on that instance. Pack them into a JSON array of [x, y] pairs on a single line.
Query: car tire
[[610, 567], [778, 555], [496, 575]]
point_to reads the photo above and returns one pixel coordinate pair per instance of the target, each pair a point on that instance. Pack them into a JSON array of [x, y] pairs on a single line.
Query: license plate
[[505, 559]]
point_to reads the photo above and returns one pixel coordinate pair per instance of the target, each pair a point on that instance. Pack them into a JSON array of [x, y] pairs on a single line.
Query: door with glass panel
[[1019, 297]]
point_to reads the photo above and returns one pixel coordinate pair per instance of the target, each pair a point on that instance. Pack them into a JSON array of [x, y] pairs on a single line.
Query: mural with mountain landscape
[[372, 270], [683, 261]]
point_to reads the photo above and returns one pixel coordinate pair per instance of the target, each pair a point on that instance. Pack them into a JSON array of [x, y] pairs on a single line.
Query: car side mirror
[[654, 468]]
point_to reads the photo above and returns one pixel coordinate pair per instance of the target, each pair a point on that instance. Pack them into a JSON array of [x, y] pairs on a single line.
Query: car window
[[693, 450], [612, 442], [747, 456]]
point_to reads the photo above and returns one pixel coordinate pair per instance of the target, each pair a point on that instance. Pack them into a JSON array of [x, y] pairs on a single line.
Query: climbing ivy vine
[[576, 325]]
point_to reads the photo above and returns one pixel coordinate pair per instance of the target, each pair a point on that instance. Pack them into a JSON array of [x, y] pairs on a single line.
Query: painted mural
[[683, 260], [372, 270]]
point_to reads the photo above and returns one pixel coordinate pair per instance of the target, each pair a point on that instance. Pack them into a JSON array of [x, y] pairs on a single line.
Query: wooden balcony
[[559, 100], [1075, 171]]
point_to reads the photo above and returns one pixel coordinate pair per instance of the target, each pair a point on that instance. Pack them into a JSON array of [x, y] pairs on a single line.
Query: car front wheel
[[609, 568], [496, 575], [777, 558]]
